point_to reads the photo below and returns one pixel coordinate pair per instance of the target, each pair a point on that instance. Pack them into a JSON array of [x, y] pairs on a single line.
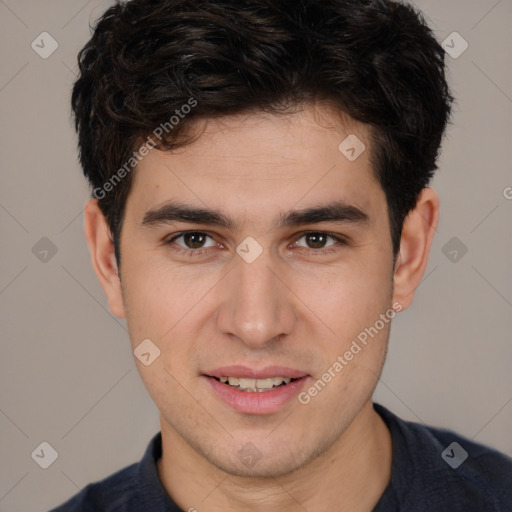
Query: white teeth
[[246, 383], [265, 383], [255, 384]]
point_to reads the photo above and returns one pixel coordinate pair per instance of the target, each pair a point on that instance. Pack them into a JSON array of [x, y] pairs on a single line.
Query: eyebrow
[[337, 211]]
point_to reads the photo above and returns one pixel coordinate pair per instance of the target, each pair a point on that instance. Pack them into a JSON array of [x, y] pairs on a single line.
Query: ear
[[97, 234], [415, 243]]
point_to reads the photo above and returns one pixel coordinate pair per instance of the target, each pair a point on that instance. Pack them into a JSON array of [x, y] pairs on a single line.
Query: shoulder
[[445, 470], [113, 494]]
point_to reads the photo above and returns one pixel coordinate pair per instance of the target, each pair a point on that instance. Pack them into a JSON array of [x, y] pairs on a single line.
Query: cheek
[[161, 300], [149, 306], [351, 296]]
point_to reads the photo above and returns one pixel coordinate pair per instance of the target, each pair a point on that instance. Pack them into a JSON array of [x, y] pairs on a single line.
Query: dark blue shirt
[[433, 470]]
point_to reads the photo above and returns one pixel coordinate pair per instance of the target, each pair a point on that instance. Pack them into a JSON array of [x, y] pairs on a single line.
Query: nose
[[257, 307]]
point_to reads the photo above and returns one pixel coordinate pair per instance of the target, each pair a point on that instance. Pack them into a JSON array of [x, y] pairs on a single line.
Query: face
[[259, 251]]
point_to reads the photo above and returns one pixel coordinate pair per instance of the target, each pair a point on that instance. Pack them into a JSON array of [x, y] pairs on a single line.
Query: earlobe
[[103, 257], [415, 243]]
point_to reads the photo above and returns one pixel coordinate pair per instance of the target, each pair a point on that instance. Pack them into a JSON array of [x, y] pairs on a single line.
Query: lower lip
[[257, 402]]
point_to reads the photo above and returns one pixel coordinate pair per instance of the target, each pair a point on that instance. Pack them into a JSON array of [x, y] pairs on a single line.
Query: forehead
[[244, 162]]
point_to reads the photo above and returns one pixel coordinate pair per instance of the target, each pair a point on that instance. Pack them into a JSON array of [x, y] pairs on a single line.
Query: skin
[[294, 306]]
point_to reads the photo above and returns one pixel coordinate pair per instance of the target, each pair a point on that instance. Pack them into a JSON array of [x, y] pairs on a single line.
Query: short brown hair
[[375, 60]]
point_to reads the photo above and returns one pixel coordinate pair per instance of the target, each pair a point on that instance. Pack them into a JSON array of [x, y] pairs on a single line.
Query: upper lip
[[245, 372]]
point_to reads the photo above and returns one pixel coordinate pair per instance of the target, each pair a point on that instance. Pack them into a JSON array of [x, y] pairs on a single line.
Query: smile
[[255, 385], [256, 391]]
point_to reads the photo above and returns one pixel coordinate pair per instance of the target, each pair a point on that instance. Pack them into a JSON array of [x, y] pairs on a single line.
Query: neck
[[350, 476]]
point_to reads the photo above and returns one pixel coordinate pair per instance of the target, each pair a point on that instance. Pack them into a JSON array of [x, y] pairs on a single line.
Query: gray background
[[67, 375]]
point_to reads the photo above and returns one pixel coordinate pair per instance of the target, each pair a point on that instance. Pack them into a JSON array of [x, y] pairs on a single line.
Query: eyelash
[[340, 241]]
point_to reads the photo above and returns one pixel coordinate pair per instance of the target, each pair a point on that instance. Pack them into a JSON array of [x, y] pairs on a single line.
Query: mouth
[[255, 385], [253, 391]]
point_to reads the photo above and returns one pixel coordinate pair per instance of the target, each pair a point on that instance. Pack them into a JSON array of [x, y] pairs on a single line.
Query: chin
[[268, 462], [260, 470]]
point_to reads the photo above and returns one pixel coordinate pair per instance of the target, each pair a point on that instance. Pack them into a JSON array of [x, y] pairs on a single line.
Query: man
[[260, 214]]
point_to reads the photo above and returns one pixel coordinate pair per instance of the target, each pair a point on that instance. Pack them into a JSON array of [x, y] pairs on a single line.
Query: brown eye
[[316, 240], [193, 240]]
